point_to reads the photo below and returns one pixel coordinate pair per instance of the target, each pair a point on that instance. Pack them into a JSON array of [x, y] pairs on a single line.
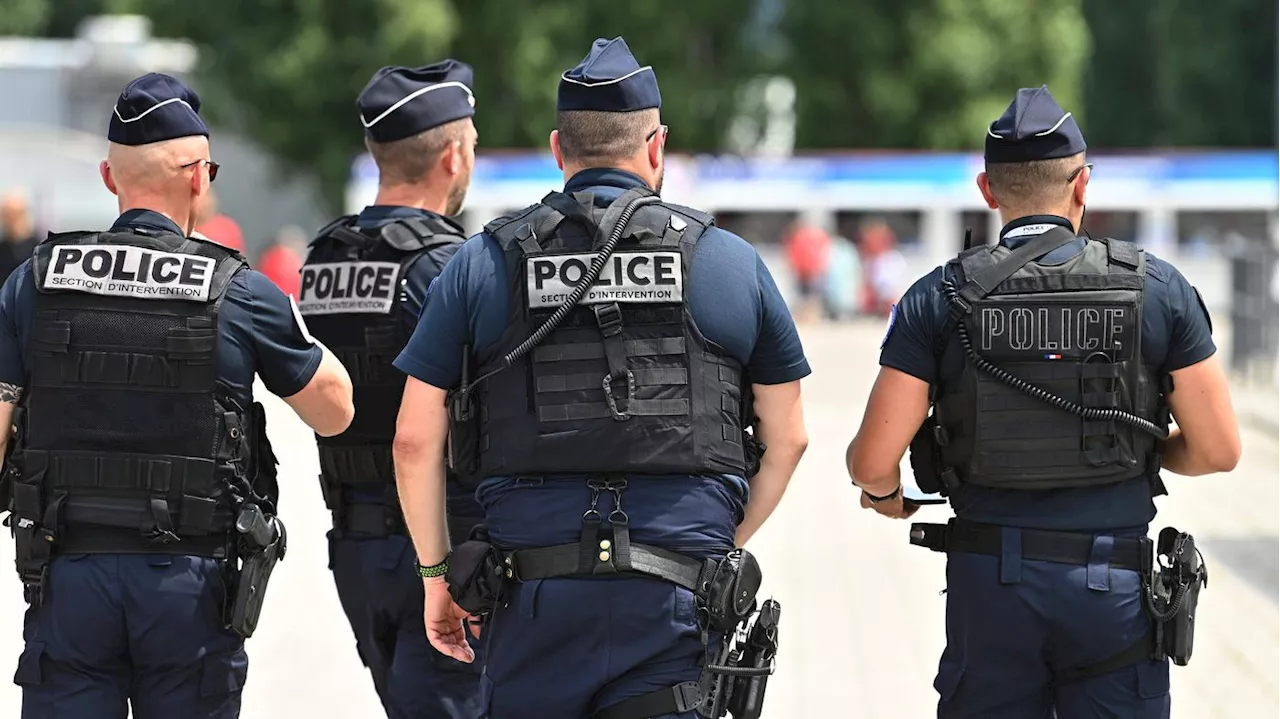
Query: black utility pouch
[[476, 574], [464, 433], [925, 460], [731, 598], [1182, 575]]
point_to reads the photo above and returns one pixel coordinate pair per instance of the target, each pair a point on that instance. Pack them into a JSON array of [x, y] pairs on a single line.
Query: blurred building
[[52, 131]]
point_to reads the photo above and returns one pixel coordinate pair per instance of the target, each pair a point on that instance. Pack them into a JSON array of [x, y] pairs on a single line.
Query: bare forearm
[[420, 479], [1177, 457], [776, 468], [879, 482]]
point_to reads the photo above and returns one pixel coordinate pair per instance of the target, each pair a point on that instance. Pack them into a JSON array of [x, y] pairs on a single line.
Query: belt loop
[[1010, 555], [1099, 571]]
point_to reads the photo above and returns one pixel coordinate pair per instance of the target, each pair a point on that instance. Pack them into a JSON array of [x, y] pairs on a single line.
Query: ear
[[656, 147], [985, 188], [555, 149], [1080, 186], [453, 158], [105, 170]]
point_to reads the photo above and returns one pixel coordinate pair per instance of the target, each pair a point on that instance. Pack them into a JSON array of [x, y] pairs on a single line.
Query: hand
[[445, 621], [893, 508]]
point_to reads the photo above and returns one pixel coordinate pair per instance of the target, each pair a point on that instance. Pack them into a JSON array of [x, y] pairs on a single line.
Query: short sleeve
[[287, 356], [434, 352], [778, 357], [12, 368], [1191, 334], [420, 275], [909, 345]]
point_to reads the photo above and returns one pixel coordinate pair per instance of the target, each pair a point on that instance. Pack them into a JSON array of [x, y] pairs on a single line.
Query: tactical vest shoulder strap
[[513, 218], [985, 280], [340, 229], [419, 234], [705, 219]]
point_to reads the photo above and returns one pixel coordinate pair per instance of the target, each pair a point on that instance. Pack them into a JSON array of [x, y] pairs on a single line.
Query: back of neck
[[411, 196]]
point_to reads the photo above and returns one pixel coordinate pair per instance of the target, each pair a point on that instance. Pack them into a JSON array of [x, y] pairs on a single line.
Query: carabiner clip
[[607, 384]]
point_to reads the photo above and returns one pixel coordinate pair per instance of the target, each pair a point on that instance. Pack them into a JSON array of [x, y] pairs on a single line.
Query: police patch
[[348, 287], [626, 277], [893, 319], [128, 271]]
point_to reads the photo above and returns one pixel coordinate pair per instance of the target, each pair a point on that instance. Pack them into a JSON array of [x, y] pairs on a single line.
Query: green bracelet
[[435, 570]]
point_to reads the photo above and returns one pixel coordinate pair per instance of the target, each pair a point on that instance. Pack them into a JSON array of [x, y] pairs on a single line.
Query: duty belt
[[564, 560], [1037, 544]]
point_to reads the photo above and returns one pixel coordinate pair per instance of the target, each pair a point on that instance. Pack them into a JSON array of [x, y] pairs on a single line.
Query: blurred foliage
[[23, 17], [1182, 73], [925, 73], [872, 73]]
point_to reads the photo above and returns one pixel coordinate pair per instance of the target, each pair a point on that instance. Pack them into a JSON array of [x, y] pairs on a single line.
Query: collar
[[1018, 231], [375, 216], [588, 180], [148, 220]]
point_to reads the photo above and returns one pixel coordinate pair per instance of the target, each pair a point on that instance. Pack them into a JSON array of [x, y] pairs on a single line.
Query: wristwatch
[[435, 570], [876, 500]]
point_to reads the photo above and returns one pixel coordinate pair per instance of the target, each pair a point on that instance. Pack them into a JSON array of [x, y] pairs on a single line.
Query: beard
[[458, 195]]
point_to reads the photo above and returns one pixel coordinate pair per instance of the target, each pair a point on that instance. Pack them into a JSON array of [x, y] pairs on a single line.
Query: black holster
[[1175, 593], [476, 574], [262, 543]]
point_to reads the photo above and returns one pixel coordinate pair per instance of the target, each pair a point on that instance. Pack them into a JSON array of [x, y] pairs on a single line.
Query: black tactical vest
[[627, 383], [353, 284], [123, 422], [1072, 329]]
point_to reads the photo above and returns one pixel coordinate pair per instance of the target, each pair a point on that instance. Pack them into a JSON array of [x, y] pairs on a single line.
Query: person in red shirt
[[220, 228], [808, 252], [282, 261]]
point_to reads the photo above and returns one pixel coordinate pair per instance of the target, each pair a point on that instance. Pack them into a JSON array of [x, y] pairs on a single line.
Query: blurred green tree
[[23, 17], [925, 73], [1181, 73]]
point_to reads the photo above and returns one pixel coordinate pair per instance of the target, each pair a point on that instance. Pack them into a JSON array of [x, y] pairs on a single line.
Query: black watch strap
[[876, 500]]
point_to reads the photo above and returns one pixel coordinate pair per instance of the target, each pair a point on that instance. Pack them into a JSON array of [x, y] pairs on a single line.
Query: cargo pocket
[[948, 680], [29, 674], [486, 695], [224, 673], [1153, 679]]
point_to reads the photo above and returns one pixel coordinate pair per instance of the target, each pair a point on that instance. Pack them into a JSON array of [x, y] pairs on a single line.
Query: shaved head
[[153, 176], [156, 166]]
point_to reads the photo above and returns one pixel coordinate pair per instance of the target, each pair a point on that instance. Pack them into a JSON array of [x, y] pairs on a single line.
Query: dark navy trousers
[[382, 596], [1011, 621], [131, 629], [568, 647]]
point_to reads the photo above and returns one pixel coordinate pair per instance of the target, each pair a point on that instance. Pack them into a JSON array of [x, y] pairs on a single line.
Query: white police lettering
[[626, 277], [1056, 328], [128, 271], [348, 287], [1025, 230]]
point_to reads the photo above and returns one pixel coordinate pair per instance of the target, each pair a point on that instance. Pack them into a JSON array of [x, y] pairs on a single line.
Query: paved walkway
[[863, 618]]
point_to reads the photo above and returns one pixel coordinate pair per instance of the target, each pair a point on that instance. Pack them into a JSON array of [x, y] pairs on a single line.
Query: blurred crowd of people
[[838, 278], [281, 260]]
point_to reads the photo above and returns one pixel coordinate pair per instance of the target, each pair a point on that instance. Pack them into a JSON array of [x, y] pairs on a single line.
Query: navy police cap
[[1034, 128], [155, 108], [400, 102], [609, 80]]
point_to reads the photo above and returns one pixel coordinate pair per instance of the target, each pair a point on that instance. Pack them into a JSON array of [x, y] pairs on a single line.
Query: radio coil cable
[[579, 291], [1099, 414]]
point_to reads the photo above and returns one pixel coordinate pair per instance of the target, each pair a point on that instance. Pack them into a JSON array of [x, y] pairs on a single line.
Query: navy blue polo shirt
[[417, 281], [1175, 334], [258, 327], [735, 304]]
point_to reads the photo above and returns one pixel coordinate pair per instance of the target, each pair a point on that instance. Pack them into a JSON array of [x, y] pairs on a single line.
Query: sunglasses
[[213, 167], [1076, 172], [663, 128]]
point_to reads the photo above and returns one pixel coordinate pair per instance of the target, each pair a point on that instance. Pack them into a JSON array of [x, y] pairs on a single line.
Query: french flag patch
[[1053, 357]]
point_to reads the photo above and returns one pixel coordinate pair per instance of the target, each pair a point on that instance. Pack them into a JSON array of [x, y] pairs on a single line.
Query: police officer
[[1043, 598], [633, 411], [363, 288], [126, 370]]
